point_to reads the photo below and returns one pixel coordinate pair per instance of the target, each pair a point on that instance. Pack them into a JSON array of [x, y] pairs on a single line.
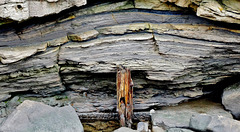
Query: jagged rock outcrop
[[35, 116], [223, 10], [226, 10], [173, 56], [19, 10]]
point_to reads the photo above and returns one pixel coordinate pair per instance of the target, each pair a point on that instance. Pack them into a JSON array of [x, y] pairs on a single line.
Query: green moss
[[234, 86], [20, 100], [5, 21]]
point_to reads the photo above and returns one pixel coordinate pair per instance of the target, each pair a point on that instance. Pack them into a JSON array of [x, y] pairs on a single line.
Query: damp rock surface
[[35, 116]]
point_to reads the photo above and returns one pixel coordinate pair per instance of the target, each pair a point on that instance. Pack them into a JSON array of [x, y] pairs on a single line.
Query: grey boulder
[[179, 116], [213, 123], [33, 116], [230, 99], [179, 130], [142, 126], [125, 129]]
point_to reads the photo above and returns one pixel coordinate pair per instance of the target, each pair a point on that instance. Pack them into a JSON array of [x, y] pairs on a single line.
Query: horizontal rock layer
[[173, 57], [223, 10]]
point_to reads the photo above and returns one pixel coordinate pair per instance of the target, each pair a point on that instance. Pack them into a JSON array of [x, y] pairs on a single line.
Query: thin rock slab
[[33, 116]]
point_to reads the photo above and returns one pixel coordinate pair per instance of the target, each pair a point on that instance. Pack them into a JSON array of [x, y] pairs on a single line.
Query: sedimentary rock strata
[[223, 10], [173, 57]]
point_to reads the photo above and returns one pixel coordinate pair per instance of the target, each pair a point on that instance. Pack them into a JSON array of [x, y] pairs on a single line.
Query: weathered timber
[[124, 96]]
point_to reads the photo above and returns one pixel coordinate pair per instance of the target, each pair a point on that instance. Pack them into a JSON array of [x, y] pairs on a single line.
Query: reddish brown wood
[[124, 96]]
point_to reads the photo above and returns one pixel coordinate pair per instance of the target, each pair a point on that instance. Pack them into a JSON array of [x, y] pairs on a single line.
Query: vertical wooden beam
[[124, 96]]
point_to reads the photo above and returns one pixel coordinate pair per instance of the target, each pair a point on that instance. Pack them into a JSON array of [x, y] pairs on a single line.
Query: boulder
[[200, 121], [179, 130], [179, 116], [214, 123], [142, 126], [33, 116], [125, 129], [157, 129], [230, 99]]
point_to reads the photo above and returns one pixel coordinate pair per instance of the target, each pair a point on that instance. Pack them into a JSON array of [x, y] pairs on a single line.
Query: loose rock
[[142, 126], [179, 130], [157, 129], [179, 116], [230, 99], [214, 123], [34, 116], [125, 129]]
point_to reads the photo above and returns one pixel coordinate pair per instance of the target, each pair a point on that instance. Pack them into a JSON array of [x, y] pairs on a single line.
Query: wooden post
[[124, 96]]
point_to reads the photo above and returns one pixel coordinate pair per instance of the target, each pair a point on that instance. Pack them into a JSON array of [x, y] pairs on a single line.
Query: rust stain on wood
[[124, 95]]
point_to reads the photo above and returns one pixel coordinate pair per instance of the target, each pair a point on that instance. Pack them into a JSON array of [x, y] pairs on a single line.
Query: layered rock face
[[19, 10], [222, 10], [173, 56]]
